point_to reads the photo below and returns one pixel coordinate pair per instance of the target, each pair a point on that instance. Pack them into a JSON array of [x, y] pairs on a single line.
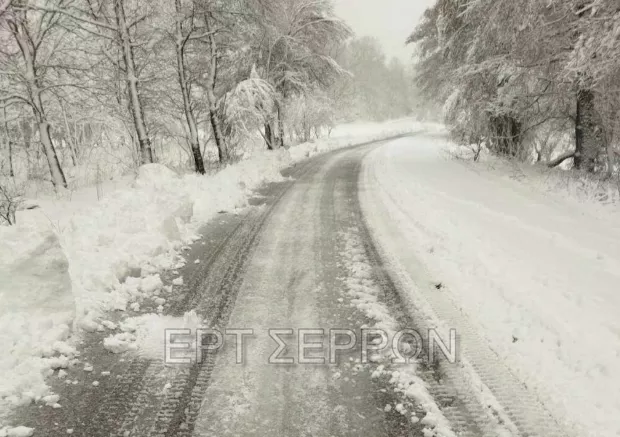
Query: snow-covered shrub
[[11, 197], [309, 116], [247, 107]]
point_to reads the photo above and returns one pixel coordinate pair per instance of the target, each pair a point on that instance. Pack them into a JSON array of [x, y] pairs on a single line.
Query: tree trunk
[[58, 177], [222, 152], [28, 51], [269, 137], [587, 140], [69, 138], [146, 151], [11, 169], [194, 139], [506, 135], [280, 118], [10, 145], [218, 137]]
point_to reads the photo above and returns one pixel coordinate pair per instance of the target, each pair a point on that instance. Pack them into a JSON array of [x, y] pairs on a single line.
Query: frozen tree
[[109, 22], [186, 29], [247, 105], [31, 43], [295, 54], [86, 81], [485, 60]]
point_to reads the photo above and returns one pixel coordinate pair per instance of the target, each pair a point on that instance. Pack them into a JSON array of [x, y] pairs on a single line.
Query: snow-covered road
[[529, 281], [393, 235], [300, 259]]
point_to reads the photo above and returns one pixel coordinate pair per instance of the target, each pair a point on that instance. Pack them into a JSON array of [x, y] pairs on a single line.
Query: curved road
[[286, 263]]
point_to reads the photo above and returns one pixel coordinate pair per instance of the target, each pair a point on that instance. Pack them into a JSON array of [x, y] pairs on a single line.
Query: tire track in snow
[[215, 300], [484, 382], [133, 400], [451, 400]]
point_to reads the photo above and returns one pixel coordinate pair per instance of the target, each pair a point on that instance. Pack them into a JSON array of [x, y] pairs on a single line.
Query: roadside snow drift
[[36, 311]]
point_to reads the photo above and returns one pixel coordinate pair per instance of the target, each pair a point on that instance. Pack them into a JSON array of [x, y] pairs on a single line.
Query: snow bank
[[36, 310], [116, 239], [595, 191]]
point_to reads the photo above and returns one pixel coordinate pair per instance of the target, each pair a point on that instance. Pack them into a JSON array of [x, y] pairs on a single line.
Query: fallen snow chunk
[[95, 383], [430, 419], [151, 283], [64, 349], [135, 307], [375, 358], [88, 368], [119, 343], [62, 374], [197, 261], [105, 373], [129, 325], [88, 323], [110, 325], [150, 329], [160, 301], [50, 400], [388, 408], [178, 281], [20, 431], [70, 431], [61, 362]]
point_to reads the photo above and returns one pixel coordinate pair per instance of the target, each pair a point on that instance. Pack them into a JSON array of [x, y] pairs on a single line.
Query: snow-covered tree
[[511, 70]]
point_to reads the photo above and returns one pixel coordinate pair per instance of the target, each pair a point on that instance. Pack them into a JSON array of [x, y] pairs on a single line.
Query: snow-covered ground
[[530, 272], [101, 248]]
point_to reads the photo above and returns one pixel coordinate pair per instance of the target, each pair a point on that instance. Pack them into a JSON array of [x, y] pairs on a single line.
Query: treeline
[[531, 79], [132, 75], [379, 88]]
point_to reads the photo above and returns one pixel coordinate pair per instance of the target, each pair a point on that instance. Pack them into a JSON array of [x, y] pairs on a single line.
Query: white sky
[[391, 21]]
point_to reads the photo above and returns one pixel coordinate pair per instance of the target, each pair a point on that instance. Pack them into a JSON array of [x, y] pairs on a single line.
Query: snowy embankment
[[101, 248], [529, 279]]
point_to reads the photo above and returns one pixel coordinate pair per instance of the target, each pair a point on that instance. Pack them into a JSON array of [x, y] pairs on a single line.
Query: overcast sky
[[391, 21]]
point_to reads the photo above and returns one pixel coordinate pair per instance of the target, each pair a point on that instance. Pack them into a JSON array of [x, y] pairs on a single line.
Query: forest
[[91, 89], [530, 79]]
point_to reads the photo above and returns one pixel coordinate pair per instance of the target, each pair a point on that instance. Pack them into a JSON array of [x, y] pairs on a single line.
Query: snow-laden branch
[[13, 99], [4, 5], [69, 14], [560, 159]]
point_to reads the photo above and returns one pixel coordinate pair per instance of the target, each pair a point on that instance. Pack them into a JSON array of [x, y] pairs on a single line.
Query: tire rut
[[133, 402]]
